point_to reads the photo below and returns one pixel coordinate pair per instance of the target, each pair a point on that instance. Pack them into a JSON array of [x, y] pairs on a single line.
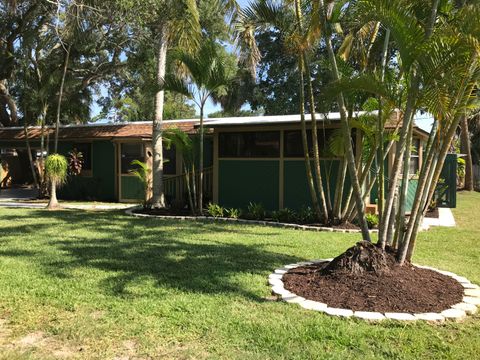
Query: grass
[[104, 285]]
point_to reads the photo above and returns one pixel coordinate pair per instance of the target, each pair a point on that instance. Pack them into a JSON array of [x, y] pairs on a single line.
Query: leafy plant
[[75, 162], [461, 166], [256, 211], [233, 213], [372, 220], [143, 172], [215, 210], [56, 167], [285, 216], [306, 215]]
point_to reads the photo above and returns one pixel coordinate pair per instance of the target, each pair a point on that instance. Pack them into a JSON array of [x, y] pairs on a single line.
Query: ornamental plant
[[56, 167]]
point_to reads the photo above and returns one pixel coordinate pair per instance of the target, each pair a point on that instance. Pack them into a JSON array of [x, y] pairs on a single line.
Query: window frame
[[278, 154], [143, 157]]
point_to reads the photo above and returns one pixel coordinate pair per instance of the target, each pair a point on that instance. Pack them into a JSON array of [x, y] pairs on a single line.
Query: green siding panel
[[131, 188], [244, 181], [101, 185], [296, 190]]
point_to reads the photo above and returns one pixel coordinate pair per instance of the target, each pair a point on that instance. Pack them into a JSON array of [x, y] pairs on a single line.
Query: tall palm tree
[[297, 31], [206, 75]]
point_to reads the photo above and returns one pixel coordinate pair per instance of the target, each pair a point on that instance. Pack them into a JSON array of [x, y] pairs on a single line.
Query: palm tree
[[56, 167], [206, 75], [186, 147], [298, 36]]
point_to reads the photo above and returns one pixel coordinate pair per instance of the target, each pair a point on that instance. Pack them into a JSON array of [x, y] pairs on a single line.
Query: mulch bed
[[403, 289], [164, 212], [433, 213]]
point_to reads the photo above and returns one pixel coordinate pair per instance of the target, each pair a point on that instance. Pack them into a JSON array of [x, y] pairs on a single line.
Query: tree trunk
[[60, 96], [200, 165], [30, 158], [352, 169], [308, 165], [316, 153], [53, 202], [158, 196], [380, 133], [465, 148]]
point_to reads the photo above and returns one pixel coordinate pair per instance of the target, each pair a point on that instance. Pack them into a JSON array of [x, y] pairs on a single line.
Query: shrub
[[255, 211], [143, 172], [372, 220], [285, 216], [75, 162], [56, 168], [233, 213], [306, 215], [215, 210]]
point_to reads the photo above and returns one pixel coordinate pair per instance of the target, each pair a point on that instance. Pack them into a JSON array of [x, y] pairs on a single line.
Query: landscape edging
[[131, 212], [457, 312]]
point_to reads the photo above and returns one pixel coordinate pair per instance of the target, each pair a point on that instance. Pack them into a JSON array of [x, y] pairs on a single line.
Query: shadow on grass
[[188, 256]]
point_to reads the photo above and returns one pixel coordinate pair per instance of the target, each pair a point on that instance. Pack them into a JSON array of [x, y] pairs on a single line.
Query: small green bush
[[233, 213], [306, 215], [256, 211], [215, 210], [285, 216], [372, 220], [56, 167]]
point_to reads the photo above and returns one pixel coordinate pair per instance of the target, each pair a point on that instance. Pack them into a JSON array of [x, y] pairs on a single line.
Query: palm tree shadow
[[177, 255]]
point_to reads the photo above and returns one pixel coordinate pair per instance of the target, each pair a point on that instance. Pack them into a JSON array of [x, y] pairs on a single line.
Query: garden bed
[[367, 282], [404, 289], [184, 214]]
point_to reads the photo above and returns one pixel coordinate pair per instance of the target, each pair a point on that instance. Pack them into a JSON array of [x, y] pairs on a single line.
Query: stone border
[[457, 312], [244, 221]]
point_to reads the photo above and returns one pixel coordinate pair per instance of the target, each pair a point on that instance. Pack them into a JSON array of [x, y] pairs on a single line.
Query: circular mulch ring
[[410, 292]]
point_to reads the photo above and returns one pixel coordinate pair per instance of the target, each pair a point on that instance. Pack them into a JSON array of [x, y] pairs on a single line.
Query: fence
[[175, 187]]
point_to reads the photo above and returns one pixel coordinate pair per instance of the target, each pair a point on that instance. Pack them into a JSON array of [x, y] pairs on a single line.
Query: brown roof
[[140, 130]]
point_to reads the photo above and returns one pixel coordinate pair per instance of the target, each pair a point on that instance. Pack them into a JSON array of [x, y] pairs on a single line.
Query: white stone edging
[[456, 312], [131, 212]]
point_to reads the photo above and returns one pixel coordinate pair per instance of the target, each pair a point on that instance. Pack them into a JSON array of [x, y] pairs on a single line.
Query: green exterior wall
[[131, 188], [243, 181], [101, 185], [296, 191]]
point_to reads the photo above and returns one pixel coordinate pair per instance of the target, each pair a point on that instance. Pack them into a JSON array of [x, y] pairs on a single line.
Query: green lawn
[[104, 285]]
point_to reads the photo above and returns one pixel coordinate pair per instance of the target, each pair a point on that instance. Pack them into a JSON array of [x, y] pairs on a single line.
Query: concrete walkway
[[445, 218], [13, 194]]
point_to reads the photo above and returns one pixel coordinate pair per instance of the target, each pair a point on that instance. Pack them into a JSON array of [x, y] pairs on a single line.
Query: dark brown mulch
[[432, 213], [164, 212], [344, 226], [402, 289]]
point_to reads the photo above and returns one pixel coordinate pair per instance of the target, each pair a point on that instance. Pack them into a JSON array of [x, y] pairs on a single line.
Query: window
[[259, 144], [293, 144], [128, 153], [169, 161], [414, 157], [86, 150]]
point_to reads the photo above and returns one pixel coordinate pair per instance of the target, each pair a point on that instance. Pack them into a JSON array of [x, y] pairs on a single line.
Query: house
[[107, 149], [247, 159]]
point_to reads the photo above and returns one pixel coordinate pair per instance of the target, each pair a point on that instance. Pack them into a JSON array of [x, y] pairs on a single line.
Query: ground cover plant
[[96, 285]]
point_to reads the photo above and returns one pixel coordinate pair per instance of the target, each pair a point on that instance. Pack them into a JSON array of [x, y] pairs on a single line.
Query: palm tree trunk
[[306, 153], [404, 187], [316, 153], [53, 202], [60, 96], [302, 66], [158, 196], [352, 169], [200, 165], [465, 148], [30, 158], [380, 133]]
